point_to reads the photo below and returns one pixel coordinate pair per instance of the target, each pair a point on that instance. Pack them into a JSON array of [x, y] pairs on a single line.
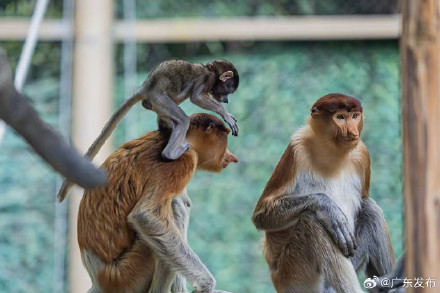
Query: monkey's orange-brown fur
[[137, 171], [134, 169]]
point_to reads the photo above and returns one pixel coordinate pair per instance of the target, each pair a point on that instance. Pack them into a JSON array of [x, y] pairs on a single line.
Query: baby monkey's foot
[[171, 156]]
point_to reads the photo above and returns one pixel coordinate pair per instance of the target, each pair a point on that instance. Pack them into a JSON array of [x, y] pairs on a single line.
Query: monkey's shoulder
[[144, 156]]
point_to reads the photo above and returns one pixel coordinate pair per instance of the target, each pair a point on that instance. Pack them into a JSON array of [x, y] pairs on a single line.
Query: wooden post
[[91, 104], [420, 51]]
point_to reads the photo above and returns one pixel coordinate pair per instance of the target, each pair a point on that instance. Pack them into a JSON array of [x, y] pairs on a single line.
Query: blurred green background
[[279, 81]]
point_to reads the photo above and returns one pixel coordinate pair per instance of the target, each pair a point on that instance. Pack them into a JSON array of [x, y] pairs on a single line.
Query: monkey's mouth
[[222, 99], [349, 142]]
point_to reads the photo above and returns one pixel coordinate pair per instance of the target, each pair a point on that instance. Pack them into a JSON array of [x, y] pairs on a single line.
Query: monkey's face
[[338, 118], [210, 141], [348, 127], [222, 89], [211, 146], [226, 79]]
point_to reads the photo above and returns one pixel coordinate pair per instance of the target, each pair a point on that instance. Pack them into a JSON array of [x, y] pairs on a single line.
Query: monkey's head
[[208, 136], [338, 118], [226, 79]]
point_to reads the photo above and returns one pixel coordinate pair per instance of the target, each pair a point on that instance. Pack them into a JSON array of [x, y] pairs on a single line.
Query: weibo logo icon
[[371, 283]]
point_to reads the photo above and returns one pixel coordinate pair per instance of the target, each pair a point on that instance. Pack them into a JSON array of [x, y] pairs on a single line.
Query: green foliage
[[25, 8], [45, 61], [278, 84], [231, 8]]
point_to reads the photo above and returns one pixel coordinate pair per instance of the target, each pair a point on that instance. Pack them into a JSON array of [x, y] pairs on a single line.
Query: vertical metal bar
[[130, 66], [91, 104], [27, 52], [29, 44], [64, 119]]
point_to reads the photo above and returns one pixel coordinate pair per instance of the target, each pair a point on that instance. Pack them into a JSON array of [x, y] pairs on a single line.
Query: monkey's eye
[[340, 117], [355, 115]]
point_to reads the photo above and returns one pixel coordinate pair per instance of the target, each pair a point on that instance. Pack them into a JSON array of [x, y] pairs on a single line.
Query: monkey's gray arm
[[165, 279], [203, 100], [164, 238], [16, 111], [375, 250], [282, 212], [103, 136], [181, 206], [397, 274]]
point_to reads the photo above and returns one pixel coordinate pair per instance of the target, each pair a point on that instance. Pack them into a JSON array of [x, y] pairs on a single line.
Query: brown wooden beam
[[335, 27], [340, 27], [420, 53], [16, 29]]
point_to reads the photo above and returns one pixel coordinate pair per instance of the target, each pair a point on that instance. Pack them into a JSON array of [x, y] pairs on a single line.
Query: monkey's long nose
[[353, 135], [352, 132], [232, 158], [229, 157]]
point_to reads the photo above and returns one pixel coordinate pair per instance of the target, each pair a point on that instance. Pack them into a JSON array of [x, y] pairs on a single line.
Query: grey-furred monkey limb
[[174, 254], [168, 85], [165, 279], [397, 275], [323, 256], [375, 254], [285, 210]]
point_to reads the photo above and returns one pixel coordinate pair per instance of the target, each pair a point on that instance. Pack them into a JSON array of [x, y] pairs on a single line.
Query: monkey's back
[[135, 169], [177, 77]]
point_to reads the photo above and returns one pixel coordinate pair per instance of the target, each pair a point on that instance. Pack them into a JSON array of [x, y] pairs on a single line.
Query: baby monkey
[[169, 84], [173, 81]]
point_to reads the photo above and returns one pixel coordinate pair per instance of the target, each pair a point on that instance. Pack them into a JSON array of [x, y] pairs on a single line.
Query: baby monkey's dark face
[[222, 89], [226, 79]]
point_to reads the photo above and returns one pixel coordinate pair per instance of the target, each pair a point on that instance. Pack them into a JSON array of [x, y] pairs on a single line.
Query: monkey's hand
[[336, 224], [230, 119]]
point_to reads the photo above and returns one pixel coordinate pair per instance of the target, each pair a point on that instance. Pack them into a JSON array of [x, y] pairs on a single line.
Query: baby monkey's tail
[[104, 135]]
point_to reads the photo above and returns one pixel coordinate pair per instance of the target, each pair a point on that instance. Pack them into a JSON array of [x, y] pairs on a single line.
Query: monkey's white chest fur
[[344, 190]]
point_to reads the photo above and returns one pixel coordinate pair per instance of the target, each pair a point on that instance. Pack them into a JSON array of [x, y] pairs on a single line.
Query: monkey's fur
[[168, 85], [316, 211], [132, 232]]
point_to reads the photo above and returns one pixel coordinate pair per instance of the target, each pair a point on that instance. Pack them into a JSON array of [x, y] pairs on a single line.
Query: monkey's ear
[[226, 75], [314, 111], [210, 126]]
